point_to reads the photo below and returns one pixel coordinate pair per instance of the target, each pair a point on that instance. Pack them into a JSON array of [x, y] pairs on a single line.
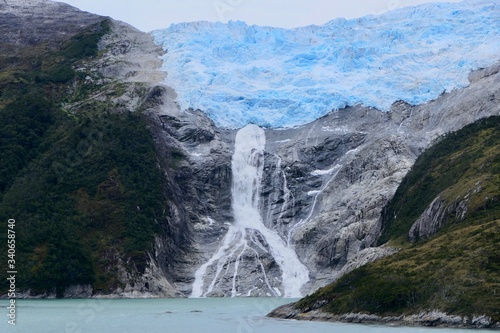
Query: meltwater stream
[[248, 235]]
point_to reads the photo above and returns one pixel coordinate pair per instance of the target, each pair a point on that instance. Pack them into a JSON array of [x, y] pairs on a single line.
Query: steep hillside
[[455, 180], [79, 170], [449, 258]]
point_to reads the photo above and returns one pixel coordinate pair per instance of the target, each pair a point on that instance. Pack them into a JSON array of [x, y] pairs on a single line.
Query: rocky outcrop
[[440, 212], [366, 256], [129, 56], [197, 162], [428, 319], [74, 291], [78, 291], [431, 220]]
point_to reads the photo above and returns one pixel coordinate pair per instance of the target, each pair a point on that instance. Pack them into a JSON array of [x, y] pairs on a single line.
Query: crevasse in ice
[[273, 77]]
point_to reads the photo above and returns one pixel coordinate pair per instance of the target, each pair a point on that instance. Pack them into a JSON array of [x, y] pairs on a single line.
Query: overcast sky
[[148, 15]]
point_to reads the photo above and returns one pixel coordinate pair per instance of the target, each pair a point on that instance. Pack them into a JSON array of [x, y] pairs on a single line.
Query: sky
[[147, 15]]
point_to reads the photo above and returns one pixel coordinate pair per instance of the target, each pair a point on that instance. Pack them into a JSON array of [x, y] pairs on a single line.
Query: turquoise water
[[221, 315]]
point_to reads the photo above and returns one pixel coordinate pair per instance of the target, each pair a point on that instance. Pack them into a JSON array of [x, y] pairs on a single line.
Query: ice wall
[[240, 74]]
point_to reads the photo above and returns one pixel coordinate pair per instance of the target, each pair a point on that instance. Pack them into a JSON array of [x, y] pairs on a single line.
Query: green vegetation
[[84, 188], [457, 166], [30, 94], [95, 192], [456, 271]]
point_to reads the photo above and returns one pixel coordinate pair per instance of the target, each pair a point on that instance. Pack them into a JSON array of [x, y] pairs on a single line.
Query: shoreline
[[423, 319]]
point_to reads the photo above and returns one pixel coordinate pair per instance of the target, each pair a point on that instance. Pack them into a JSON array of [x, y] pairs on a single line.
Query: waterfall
[[247, 167], [279, 202]]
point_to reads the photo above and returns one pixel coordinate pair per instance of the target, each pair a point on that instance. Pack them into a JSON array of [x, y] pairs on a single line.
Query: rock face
[[197, 161], [342, 169], [436, 215], [429, 222], [30, 22]]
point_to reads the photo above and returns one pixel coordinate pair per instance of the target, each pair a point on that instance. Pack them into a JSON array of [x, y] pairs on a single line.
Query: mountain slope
[[457, 270], [456, 179], [79, 169]]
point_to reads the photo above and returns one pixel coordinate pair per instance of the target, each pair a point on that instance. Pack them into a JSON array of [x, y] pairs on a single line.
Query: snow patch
[[313, 193], [324, 172]]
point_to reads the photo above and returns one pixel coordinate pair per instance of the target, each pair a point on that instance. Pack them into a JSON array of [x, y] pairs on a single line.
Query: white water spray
[[247, 167]]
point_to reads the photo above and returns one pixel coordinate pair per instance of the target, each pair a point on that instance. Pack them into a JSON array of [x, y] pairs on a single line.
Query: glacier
[[273, 77]]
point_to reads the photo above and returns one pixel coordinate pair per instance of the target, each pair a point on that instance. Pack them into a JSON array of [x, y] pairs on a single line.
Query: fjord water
[[217, 315]]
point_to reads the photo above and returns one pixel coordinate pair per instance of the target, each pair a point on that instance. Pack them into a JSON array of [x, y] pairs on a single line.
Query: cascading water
[[248, 235], [279, 202]]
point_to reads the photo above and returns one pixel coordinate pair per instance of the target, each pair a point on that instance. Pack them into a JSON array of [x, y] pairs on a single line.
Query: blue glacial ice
[[274, 77]]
